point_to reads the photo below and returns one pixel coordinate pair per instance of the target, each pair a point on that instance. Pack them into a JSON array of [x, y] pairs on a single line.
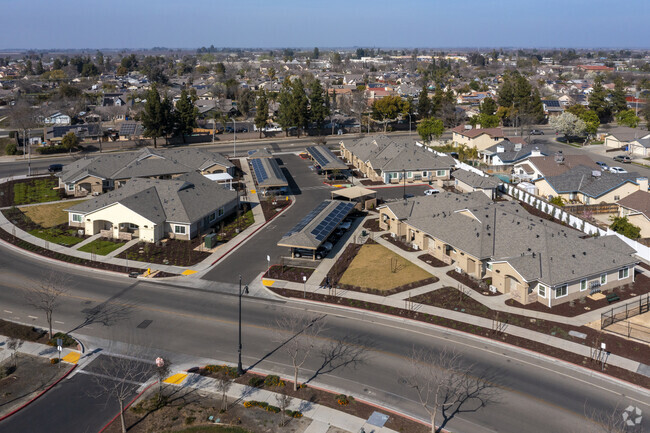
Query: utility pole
[[234, 141]]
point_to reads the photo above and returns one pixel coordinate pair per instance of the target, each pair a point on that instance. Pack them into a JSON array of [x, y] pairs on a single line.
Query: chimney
[[500, 149], [643, 183], [536, 152], [517, 147]]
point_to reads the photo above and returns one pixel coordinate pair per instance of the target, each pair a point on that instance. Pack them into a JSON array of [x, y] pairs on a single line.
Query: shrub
[[51, 150], [293, 413], [256, 381], [272, 409], [190, 420], [11, 149], [228, 371], [342, 399], [67, 340], [272, 380], [54, 360]]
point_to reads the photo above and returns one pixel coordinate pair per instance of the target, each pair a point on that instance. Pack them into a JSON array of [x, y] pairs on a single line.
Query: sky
[[47, 24]]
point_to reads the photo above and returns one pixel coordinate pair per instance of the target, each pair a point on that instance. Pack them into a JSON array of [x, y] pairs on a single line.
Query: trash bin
[[210, 241]]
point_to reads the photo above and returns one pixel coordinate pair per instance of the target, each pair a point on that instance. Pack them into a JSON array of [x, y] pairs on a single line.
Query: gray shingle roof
[[580, 179], [510, 154], [476, 180]]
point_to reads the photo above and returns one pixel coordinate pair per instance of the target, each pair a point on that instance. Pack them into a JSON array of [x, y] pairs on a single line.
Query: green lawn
[[101, 246], [57, 236], [37, 191]]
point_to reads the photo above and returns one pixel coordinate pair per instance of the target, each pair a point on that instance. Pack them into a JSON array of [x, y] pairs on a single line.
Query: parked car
[[321, 252], [55, 168], [623, 158], [337, 176], [229, 129], [431, 191], [242, 129], [602, 165], [536, 132], [345, 225], [617, 170]]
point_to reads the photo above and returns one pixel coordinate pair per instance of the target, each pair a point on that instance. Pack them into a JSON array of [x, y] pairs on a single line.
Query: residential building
[[476, 137], [152, 209], [532, 259], [640, 147], [535, 167], [623, 136], [57, 118], [636, 207], [508, 153], [467, 181], [379, 158]]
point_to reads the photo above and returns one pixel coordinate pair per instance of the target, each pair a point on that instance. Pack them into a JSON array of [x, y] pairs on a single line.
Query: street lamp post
[[234, 140], [409, 123], [240, 370]]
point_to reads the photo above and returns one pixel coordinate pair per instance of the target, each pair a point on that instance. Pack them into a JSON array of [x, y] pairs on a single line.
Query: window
[[70, 186], [541, 290], [213, 216], [561, 291], [583, 285], [179, 230], [441, 173], [488, 266], [133, 226], [425, 173], [76, 217], [623, 273], [617, 197], [392, 175], [409, 174], [220, 211], [603, 279]]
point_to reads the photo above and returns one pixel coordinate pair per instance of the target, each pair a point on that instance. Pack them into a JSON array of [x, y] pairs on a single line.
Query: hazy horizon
[[581, 24]]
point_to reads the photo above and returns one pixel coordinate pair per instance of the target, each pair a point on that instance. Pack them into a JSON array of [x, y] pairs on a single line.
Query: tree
[[315, 53], [300, 333], [70, 141], [223, 385], [424, 103], [429, 128], [387, 109], [299, 105], [45, 295], [444, 385], [262, 111], [185, 116], [592, 122], [318, 109], [486, 120], [157, 115], [568, 124], [488, 106], [627, 118], [623, 226], [14, 344], [283, 401], [598, 101], [285, 117], [619, 103]]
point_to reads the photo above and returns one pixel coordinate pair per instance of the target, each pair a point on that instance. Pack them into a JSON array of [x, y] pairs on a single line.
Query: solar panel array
[[319, 157], [552, 103], [334, 218], [260, 172], [306, 220], [277, 171], [127, 128]]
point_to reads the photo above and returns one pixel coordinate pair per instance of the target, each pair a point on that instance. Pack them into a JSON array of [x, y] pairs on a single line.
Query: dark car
[[536, 132], [55, 168], [337, 176], [623, 158], [242, 129], [229, 129]]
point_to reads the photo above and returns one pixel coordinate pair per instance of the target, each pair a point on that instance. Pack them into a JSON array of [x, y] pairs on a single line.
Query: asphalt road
[[537, 395]]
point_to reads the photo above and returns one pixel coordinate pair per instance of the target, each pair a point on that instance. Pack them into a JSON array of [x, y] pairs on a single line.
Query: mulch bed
[[432, 261], [288, 273], [372, 225], [481, 287], [22, 332], [640, 287], [231, 226], [328, 399], [397, 243], [538, 213], [368, 182], [270, 210], [172, 252], [535, 346]]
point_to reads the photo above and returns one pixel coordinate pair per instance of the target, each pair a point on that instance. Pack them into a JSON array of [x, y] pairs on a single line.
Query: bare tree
[[443, 385], [45, 295], [617, 420], [341, 354], [302, 331], [163, 368], [283, 401], [14, 344], [223, 385]]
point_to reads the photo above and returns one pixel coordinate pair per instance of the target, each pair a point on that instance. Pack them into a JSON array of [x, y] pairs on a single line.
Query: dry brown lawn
[[49, 215], [373, 268]]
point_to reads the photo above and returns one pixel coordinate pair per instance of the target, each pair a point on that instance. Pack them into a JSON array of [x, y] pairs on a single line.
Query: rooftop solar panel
[[336, 215], [307, 219], [318, 156]]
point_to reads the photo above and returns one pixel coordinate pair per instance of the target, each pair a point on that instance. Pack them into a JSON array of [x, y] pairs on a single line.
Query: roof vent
[[517, 147], [596, 174]]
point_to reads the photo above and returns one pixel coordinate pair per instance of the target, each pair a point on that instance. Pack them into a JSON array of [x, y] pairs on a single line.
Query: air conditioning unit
[[459, 269], [80, 232], [96, 193], [392, 235], [415, 246], [493, 289]]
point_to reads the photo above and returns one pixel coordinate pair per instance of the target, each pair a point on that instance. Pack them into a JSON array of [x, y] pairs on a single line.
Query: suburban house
[[467, 181], [109, 171], [54, 134], [636, 207], [640, 147], [535, 167], [475, 137], [552, 108], [57, 118], [508, 153], [532, 259], [379, 158], [152, 209], [590, 186], [622, 136]]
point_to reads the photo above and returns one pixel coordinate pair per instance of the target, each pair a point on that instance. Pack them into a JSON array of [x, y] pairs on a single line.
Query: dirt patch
[[641, 286], [479, 286], [368, 182], [288, 273], [33, 190], [270, 210], [22, 332], [372, 225], [49, 215], [535, 346], [32, 375], [398, 243], [171, 252], [432, 261]]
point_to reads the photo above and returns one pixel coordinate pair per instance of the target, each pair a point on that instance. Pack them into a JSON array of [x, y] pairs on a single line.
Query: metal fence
[[624, 312], [631, 330]]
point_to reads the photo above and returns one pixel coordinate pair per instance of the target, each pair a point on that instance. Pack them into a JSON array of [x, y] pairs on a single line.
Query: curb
[[585, 370], [126, 406], [39, 394], [254, 231]]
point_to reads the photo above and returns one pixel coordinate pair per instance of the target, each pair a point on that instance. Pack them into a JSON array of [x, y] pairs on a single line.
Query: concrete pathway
[[86, 241], [123, 248]]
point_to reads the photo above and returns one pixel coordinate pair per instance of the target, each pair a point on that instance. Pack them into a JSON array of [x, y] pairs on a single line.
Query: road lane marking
[[8, 312], [72, 357], [176, 379], [105, 376], [57, 321], [33, 317]]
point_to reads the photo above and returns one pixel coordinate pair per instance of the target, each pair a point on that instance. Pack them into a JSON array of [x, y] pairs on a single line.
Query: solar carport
[[363, 198], [315, 227], [326, 159], [268, 173]]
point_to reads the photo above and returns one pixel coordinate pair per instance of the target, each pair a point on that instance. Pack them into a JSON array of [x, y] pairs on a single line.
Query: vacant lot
[[376, 267], [49, 215], [101, 246]]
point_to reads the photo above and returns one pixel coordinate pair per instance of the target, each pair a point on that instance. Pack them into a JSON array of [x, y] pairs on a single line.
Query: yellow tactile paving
[[175, 379], [188, 272], [72, 357], [268, 283]]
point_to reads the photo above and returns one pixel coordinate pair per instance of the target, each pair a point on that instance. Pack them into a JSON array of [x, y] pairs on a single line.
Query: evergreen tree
[[429, 128], [316, 53], [318, 109], [156, 117], [262, 111], [39, 68], [299, 105], [285, 118], [186, 114], [424, 103], [598, 102], [488, 106], [619, 103]]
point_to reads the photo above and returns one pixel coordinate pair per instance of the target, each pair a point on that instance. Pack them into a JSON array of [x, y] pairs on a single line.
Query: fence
[[593, 208], [624, 312], [631, 330]]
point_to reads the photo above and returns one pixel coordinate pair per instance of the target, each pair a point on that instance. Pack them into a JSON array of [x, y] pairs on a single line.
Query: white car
[[431, 191], [617, 170]]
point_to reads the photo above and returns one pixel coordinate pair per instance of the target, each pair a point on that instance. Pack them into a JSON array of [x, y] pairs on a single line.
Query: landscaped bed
[[393, 240], [480, 286], [372, 225], [22, 332], [288, 273], [169, 252], [60, 234], [552, 351], [432, 261], [640, 287], [27, 191], [102, 247], [269, 209], [233, 225]]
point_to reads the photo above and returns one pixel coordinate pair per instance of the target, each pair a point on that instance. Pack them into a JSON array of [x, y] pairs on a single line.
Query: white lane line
[[62, 323], [8, 312], [104, 376], [32, 317]]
